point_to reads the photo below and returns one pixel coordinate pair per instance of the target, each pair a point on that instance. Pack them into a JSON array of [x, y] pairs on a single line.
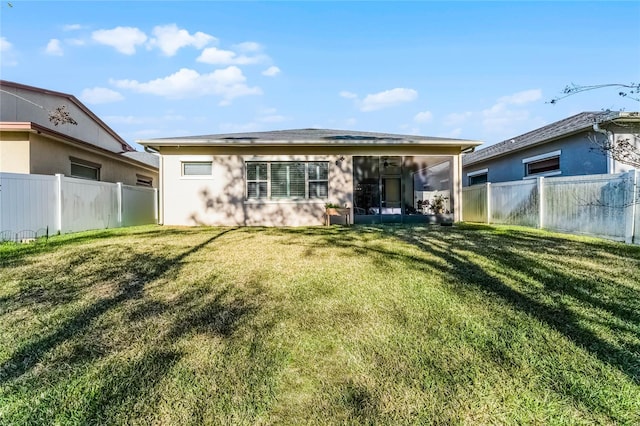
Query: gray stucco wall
[[579, 156]]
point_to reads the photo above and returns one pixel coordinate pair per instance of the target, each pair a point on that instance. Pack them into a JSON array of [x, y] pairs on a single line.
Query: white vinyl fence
[[606, 206], [39, 204]]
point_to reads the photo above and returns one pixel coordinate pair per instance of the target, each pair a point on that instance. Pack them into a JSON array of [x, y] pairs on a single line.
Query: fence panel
[[474, 203], [138, 205], [636, 219], [88, 205], [27, 203], [515, 203], [593, 205]]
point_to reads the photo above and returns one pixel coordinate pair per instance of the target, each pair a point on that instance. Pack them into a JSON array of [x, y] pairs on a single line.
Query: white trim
[[184, 176], [546, 174], [260, 201], [478, 172], [196, 158], [542, 156]]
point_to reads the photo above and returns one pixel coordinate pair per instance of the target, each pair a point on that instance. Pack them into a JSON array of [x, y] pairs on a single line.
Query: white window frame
[[266, 180], [541, 157], [144, 181], [86, 164], [183, 162], [269, 198], [477, 173]]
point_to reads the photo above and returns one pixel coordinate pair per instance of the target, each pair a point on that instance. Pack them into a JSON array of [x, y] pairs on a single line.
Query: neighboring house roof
[[36, 128], [6, 87], [144, 157], [311, 137], [566, 127]]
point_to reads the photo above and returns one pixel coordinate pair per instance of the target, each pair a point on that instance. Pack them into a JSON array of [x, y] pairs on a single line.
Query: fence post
[[541, 210], [631, 207], [120, 206], [155, 205], [488, 203], [58, 206]]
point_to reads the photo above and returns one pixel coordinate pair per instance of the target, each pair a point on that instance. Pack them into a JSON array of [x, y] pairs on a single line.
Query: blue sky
[[472, 70]]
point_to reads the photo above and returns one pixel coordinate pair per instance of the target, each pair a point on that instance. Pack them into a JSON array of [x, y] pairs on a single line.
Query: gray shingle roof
[[302, 136], [567, 126], [144, 157]]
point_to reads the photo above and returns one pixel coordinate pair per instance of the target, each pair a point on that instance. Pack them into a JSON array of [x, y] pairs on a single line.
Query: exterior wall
[[220, 199], [30, 153], [50, 157], [14, 109], [14, 153], [579, 156]]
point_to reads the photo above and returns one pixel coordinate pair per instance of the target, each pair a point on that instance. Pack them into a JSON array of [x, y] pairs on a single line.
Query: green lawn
[[362, 325]]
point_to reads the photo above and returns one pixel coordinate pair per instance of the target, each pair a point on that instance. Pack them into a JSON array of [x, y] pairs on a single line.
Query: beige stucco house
[[285, 178], [30, 143]]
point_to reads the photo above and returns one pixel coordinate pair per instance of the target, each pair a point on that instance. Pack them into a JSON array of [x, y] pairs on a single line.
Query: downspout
[[609, 135]]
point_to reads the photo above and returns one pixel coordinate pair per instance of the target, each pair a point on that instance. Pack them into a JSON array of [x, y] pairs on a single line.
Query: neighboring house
[[31, 144], [286, 177], [565, 148]]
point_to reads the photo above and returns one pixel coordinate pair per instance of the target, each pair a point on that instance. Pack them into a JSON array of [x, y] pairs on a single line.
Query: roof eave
[[155, 143]]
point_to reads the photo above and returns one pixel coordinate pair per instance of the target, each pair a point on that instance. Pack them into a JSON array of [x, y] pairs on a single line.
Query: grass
[[362, 325]]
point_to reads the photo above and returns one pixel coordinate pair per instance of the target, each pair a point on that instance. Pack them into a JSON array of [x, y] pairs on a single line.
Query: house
[[31, 142], [285, 178], [567, 147]]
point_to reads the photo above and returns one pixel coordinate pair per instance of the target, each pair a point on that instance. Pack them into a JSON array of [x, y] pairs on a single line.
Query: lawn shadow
[[141, 268], [465, 271]]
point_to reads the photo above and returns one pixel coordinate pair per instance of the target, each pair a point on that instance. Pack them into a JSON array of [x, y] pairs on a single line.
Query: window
[[197, 168], [478, 179], [257, 180], [318, 180], [542, 165], [287, 180], [84, 169], [142, 180]]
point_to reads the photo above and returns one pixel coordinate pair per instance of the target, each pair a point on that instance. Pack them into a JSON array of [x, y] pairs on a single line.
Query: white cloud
[[215, 56], [456, 118], [72, 27], [53, 48], [388, 98], [5, 46], [228, 83], [170, 38], [248, 46], [75, 42], [503, 117], [455, 133], [348, 95], [520, 98], [100, 95], [423, 117], [271, 71], [123, 39]]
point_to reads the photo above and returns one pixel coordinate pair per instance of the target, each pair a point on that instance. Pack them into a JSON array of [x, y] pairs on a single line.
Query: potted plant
[[438, 204], [333, 209]]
